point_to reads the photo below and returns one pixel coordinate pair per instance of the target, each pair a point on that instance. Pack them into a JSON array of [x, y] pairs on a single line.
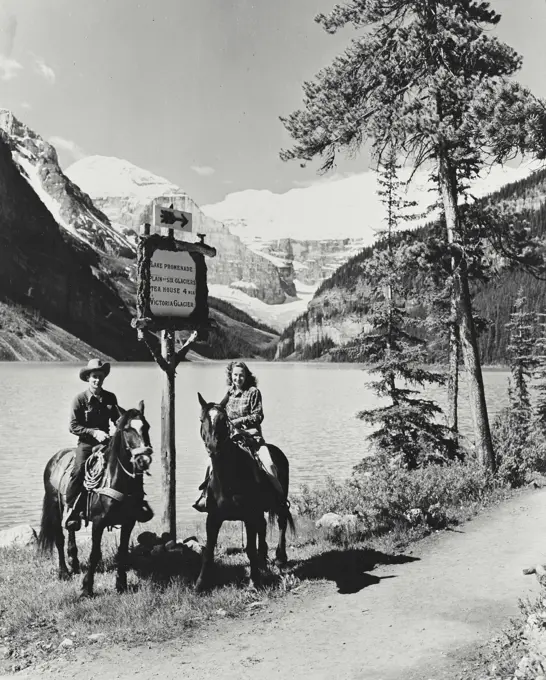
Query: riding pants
[[270, 468], [75, 483]]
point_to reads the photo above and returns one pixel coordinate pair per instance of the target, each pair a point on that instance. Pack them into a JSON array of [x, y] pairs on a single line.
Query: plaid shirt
[[244, 408]]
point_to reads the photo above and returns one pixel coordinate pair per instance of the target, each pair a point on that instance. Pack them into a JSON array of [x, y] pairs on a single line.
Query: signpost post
[[172, 295]]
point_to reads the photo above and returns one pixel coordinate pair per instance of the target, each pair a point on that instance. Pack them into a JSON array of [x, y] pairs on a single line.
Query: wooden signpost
[[172, 296]]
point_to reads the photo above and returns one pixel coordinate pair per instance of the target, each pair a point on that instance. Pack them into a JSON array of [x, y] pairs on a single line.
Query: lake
[[309, 413]]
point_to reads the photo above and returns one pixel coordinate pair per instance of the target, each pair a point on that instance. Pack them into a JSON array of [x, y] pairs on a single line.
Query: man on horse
[[92, 412]]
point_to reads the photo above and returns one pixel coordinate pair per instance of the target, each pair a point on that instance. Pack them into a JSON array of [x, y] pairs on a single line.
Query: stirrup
[[71, 520]]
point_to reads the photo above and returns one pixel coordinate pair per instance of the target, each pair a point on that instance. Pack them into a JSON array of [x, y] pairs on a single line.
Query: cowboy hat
[[94, 365]]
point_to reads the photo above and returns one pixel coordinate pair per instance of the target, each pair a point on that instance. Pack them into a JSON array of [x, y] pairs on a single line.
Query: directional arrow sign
[[172, 219]]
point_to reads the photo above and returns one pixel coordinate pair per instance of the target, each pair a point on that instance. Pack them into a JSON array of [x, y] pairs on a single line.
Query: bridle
[[141, 458]]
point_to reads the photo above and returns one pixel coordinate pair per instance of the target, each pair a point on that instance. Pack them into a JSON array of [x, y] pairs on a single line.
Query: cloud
[[69, 146], [9, 68], [44, 70], [203, 170]]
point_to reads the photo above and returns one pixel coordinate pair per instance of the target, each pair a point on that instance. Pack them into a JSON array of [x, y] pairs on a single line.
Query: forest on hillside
[[343, 294]]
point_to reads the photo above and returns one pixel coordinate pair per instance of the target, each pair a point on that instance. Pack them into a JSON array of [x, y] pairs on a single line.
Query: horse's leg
[[258, 561], [73, 552], [213, 527], [262, 542], [64, 573], [281, 557], [123, 553], [94, 557]]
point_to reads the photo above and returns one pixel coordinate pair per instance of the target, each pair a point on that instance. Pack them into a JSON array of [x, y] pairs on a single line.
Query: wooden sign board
[[173, 283], [172, 288]]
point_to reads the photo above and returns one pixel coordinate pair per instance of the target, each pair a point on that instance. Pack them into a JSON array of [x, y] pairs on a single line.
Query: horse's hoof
[[85, 595], [65, 576]]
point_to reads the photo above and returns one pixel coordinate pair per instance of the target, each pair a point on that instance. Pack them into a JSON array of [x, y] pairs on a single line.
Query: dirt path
[[416, 619]]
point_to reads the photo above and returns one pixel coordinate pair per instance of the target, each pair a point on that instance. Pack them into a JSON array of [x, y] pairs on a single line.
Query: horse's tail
[[50, 521], [51, 514], [276, 514]]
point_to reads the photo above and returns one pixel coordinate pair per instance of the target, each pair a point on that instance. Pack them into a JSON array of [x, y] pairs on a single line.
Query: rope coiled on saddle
[[94, 470]]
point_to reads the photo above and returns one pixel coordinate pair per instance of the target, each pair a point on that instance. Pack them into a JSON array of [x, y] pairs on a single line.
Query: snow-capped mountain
[[127, 194], [336, 208], [71, 208], [321, 226]]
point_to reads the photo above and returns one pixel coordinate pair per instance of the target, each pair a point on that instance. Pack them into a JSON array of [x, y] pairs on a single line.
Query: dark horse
[[239, 491], [118, 500]]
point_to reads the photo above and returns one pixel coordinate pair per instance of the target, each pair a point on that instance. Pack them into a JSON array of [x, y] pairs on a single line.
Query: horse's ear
[[121, 412], [201, 400], [141, 406], [224, 400]]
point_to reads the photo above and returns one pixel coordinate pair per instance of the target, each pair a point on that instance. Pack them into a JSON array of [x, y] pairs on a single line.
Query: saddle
[[95, 468]]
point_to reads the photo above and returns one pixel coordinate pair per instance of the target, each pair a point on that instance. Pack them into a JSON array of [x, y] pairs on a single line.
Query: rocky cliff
[[126, 194], [56, 272], [71, 208]]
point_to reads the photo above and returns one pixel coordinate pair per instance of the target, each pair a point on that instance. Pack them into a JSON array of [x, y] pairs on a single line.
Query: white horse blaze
[[214, 414], [137, 425]]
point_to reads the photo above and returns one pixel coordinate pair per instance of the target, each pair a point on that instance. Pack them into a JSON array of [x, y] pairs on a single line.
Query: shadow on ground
[[348, 568], [185, 567]]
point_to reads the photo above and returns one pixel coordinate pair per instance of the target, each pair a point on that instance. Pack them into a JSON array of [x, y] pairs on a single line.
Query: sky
[[191, 90]]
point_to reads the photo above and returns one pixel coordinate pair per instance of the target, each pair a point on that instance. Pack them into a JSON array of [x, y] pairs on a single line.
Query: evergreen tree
[[515, 436], [539, 411], [406, 428], [425, 77], [522, 356]]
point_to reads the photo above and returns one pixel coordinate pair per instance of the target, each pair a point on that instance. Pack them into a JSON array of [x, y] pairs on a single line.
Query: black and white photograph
[[273, 339]]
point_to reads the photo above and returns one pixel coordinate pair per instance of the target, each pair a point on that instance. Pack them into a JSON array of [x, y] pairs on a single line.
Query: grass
[[38, 612], [520, 651]]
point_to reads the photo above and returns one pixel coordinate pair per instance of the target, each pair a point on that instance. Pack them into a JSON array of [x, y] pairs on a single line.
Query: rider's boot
[[201, 503], [71, 517]]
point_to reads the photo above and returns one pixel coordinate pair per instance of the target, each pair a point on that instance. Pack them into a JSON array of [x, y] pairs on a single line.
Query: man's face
[[95, 380]]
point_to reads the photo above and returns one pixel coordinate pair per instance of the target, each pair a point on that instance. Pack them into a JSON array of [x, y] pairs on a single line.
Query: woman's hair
[[250, 378]]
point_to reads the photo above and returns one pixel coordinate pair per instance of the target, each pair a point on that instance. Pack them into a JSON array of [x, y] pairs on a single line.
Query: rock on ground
[[18, 537]]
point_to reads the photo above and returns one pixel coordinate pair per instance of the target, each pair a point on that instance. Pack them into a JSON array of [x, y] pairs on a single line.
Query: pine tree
[[522, 356], [513, 430], [425, 77], [539, 410], [406, 428]]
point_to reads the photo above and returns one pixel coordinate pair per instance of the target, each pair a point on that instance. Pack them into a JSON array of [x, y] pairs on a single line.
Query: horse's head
[[134, 431], [215, 426]]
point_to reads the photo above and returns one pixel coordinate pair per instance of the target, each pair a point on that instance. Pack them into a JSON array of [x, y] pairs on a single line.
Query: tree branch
[[181, 353], [152, 343]]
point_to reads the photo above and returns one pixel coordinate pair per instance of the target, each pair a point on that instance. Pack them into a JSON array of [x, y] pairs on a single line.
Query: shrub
[[519, 447], [385, 497]]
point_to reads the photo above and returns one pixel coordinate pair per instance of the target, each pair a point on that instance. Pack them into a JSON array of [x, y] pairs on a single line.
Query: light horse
[[239, 491], [117, 501]]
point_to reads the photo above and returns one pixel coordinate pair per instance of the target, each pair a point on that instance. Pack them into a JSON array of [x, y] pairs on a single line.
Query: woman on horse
[[243, 404], [92, 412]]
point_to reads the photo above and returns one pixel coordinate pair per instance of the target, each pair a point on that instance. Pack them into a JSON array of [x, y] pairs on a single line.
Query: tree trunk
[[453, 379], [168, 447], [469, 345]]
